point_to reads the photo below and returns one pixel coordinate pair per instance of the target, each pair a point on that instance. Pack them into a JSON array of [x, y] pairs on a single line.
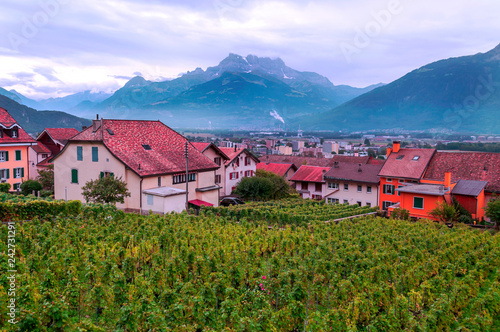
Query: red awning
[[199, 202]]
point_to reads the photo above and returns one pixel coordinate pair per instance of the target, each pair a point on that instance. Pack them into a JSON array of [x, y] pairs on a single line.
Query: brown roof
[[478, 166], [61, 134], [276, 168], [147, 147], [407, 163], [311, 161], [8, 122], [367, 173], [310, 174], [469, 187], [40, 148]]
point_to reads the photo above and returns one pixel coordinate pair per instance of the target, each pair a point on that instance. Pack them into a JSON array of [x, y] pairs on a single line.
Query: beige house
[[148, 155], [212, 152], [353, 184]]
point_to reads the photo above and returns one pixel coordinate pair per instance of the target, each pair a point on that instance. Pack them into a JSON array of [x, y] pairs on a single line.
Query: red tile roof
[[61, 134], [232, 153], [405, 164], [309, 174], [366, 173], [40, 148], [201, 146], [7, 122], [125, 140], [276, 168], [478, 166], [311, 161]]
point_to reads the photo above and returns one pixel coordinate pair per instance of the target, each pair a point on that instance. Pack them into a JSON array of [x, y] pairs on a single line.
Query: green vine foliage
[[104, 270]]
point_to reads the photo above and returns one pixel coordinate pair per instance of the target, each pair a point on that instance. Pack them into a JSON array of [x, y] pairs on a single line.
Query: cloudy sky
[[52, 48]]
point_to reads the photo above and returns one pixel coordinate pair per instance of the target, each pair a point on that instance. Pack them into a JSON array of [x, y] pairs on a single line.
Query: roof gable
[[277, 168], [60, 134], [202, 147], [8, 122], [232, 153], [407, 163]]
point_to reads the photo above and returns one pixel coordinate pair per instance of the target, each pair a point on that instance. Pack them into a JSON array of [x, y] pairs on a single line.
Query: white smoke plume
[[275, 115]]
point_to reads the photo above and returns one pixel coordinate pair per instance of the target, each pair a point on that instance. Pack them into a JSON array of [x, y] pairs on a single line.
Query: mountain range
[[459, 94]]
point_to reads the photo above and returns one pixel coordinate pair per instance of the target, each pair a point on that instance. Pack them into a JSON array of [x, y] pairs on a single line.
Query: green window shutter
[[22, 172], [384, 190], [18, 154], [112, 174], [6, 155], [79, 153], [102, 175], [8, 173], [95, 154], [74, 176]]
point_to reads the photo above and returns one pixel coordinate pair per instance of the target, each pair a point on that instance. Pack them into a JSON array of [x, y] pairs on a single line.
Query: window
[[74, 175], [305, 186], [4, 173], [318, 187], [159, 181], [15, 134], [389, 180], [4, 156], [247, 161], [368, 204], [368, 189], [18, 155], [233, 175], [79, 153], [415, 158], [333, 185], [95, 154], [346, 201], [400, 157], [217, 160], [181, 178], [44, 155], [399, 193], [359, 203], [18, 172], [217, 179], [316, 197], [237, 162], [146, 147], [106, 174], [418, 202], [346, 186], [150, 199], [17, 186], [388, 189], [248, 173], [333, 200], [110, 131], [401, 181], [360, 189], [386, 204]]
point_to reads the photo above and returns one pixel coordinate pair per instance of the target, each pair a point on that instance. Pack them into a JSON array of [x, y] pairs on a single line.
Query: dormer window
[[146, 147], [416, 158], [400, 157], [14, 133], [110, 131]]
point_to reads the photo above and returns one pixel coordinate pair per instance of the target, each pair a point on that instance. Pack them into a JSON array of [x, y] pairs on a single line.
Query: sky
[[52, 48]]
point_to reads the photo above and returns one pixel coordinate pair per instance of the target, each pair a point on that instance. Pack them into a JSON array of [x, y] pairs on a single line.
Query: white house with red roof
[[310, 181], [241, 163], [285, 170], [148, 155], [212, 152], [14, 146]]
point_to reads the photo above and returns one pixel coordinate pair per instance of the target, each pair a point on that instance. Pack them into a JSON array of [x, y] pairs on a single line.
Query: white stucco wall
[[352, 195], [229, 184]]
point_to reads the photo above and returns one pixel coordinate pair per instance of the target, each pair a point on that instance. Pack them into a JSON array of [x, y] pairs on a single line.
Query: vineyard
[[111, 271]]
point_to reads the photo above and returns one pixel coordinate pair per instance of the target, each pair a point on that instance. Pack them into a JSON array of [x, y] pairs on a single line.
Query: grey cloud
[[48, 73], [120, 77]]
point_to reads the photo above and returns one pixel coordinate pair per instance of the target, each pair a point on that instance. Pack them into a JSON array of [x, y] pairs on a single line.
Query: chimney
[[267, 160], [359, 168], [323, 175], [389, 150], [96, 124], [447, 179], [234, 147], [396, 145]]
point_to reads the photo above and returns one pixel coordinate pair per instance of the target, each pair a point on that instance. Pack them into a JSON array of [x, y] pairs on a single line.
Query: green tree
[[280, 188], [492, 210], [46, 178], [254, 188], [366, 142], [106, 190], [27, 187], [444, 212]]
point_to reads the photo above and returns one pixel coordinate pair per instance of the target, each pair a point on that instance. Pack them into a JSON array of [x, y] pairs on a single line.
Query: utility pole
[[187, 175]]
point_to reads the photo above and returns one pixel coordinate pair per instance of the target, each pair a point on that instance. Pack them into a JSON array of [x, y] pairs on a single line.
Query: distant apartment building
[[329, 147], [297, 145], [285, 150]]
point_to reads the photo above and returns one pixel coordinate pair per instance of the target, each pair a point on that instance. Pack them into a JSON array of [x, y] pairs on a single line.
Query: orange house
[[14, 151], [403, 167]]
